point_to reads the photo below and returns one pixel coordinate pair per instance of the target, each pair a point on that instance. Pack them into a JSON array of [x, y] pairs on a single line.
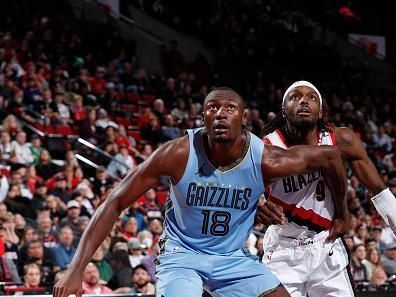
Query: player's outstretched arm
[[363, 168], [134, 185], [278, 162]]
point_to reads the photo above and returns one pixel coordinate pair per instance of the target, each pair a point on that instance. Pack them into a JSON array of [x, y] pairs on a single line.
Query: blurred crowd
[[54, 76]]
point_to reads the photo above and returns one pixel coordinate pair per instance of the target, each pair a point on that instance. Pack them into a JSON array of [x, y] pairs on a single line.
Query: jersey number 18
[[218, 221]]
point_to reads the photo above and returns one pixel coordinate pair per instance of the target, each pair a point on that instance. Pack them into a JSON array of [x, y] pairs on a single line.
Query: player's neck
[[224, 153], [297, 135]]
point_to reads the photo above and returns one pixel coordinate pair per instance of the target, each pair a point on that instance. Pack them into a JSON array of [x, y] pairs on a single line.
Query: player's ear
[[202, 119], [283, 112], [245, 118], [320, 113]]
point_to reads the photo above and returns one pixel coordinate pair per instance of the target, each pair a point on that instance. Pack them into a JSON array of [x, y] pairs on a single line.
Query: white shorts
[[309, 267]]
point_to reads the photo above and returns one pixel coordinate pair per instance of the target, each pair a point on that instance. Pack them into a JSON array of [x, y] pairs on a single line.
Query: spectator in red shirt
[[98, 84]]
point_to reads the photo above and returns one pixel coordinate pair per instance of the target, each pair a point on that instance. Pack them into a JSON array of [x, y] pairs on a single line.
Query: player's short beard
[[305, 124]]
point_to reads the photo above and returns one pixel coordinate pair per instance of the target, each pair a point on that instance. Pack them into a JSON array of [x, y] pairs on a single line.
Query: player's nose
[[221, 113]]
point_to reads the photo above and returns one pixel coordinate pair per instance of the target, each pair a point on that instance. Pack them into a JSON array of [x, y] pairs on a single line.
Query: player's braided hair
[[279, 122]]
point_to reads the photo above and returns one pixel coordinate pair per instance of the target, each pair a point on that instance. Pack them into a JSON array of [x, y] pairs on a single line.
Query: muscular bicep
[[353, 151], [147, 174], [278, 162]]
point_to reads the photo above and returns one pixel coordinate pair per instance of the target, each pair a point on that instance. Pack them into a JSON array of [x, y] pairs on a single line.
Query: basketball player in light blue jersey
[[217, 175]]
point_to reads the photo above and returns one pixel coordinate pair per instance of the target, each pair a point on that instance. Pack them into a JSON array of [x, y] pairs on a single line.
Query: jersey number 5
[[219, 222]]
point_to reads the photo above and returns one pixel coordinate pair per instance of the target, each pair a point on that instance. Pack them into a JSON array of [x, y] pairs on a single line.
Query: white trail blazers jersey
[[305, 198]]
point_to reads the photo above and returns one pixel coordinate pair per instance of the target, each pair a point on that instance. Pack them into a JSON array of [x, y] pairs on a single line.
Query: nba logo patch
[[269, 255], [176, 249]]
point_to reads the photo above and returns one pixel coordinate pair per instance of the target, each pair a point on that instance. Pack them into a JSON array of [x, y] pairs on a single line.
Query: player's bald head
[[224, 93]]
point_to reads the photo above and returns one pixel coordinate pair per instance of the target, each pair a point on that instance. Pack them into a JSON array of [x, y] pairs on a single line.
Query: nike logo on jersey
[[200, 171]]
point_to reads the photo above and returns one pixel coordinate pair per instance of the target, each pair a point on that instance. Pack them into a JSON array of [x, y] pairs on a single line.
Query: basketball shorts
[[181, 272], [309, 267]]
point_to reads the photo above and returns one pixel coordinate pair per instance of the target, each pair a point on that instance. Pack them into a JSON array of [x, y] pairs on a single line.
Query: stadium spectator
[[105, 270], [389, 259], [91, 281], [359, 270], [64, 251]]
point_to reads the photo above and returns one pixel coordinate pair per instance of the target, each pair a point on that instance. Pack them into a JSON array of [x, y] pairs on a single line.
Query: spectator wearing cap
[[39, 195], [91, 281], [60, 188], [82, 223], [375, 233], [45, 167], [389, 258], [72, 215], [64, 251], [101, 180], [141, 281], [135, 250]]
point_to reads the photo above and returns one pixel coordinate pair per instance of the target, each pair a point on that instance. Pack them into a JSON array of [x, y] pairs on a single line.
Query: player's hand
[[270, 214], [338, 229], [67, 285]]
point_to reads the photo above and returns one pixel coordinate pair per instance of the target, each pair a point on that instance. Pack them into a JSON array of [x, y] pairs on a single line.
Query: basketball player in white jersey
[[297, 251]]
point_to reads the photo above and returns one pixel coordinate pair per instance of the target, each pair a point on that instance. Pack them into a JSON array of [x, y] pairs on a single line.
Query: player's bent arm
[[352, 150], [363, 168], [134, 185], [299, 159]]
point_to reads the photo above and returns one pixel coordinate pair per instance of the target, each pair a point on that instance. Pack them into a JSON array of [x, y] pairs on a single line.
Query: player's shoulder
[[176, 147]]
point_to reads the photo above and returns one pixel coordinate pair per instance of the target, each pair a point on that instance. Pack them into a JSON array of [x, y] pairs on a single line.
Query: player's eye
[[312, 97], [231, 107], [212, 107], [294, 97]]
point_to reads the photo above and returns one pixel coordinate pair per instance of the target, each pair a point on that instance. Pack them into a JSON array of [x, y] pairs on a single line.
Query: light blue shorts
[[181, 273]]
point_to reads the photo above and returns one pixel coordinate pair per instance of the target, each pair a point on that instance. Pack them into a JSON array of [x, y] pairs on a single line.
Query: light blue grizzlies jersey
[[212, 210]]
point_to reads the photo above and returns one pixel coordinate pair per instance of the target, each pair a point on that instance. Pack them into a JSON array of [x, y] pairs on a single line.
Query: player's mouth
[[221, 127], [304, 111]]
